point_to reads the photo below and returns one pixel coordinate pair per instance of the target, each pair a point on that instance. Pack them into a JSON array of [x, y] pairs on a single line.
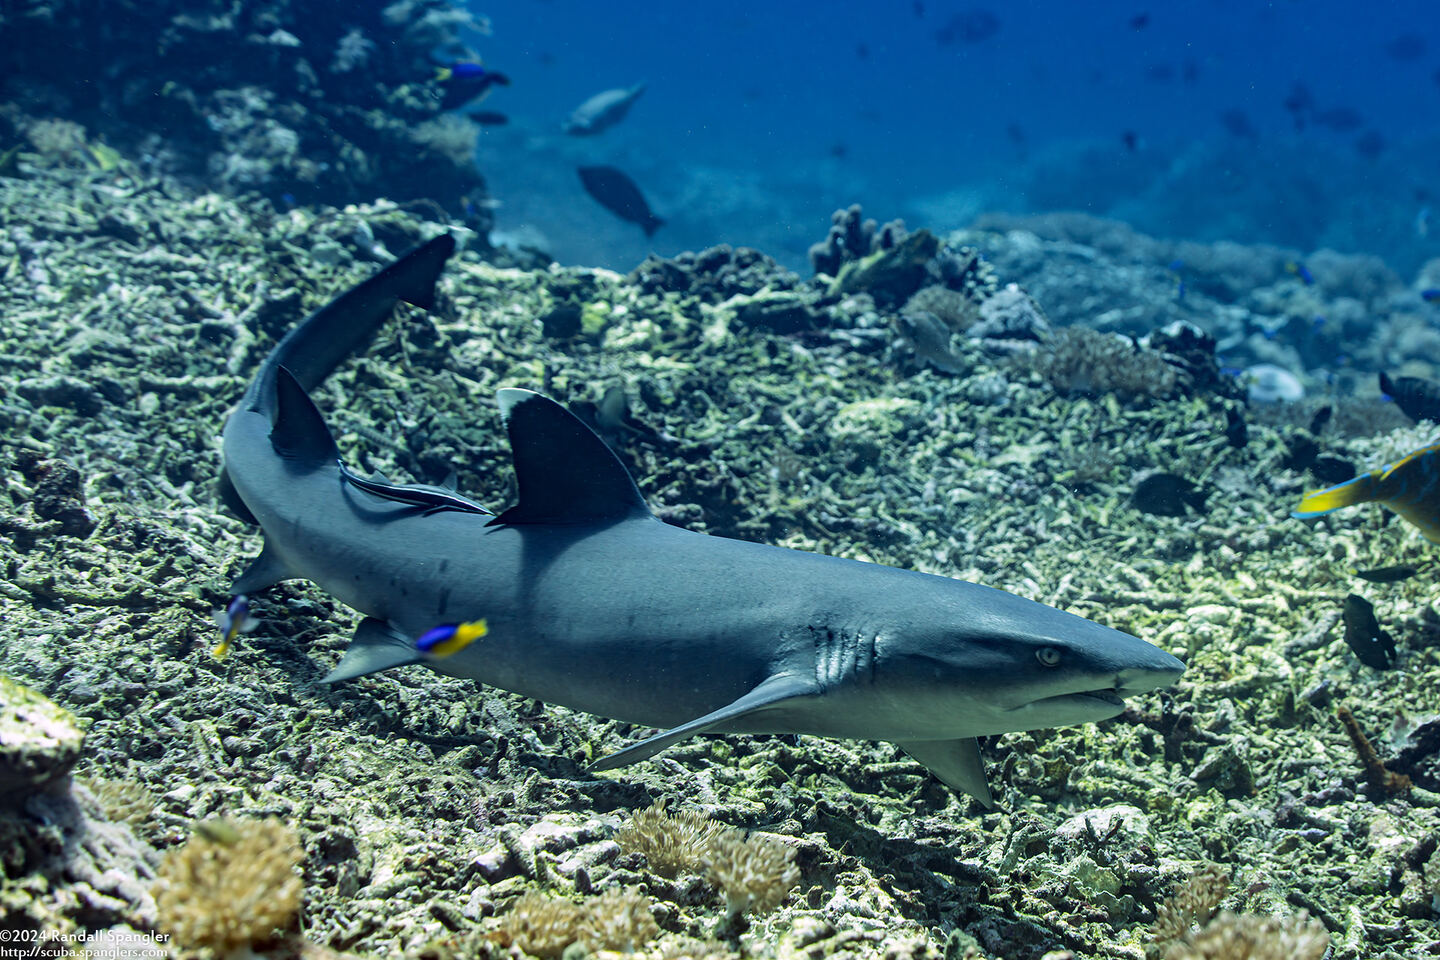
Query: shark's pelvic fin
[[264, 571], [299, 433], [376, 646], [956, 763], [772, 691], [225, 490], [564, 471]]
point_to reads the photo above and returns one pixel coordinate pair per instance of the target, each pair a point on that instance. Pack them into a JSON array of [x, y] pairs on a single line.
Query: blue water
[[760, 119]]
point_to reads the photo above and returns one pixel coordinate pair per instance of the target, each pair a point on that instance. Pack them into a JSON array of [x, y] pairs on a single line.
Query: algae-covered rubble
[[427, 808]]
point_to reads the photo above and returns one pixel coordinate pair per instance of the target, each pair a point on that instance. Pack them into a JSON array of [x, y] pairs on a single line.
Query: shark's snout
[[1161, 671]]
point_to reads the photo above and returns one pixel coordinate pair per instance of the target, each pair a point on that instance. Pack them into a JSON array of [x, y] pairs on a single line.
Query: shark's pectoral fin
[[376, 646], [957, 763], [264, 571], [769, 693]]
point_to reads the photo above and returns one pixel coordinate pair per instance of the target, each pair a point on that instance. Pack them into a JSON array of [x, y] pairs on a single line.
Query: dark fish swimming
[[1417, 398], [1363, 634], [615, 191], [1394, 574], [1300, 104], [1237, 123], [602, 111]]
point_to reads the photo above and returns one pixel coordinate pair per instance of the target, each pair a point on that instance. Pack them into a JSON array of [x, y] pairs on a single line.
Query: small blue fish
[[450, 638], [234, 620], [1298, 269], [1430, 294]]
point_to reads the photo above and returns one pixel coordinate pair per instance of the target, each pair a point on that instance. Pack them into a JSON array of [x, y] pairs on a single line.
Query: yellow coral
[[230, 886], [754, 873], [671, 842], [544, 926]]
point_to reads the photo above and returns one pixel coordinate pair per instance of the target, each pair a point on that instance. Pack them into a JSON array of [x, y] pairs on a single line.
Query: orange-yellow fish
[[1410, 487]]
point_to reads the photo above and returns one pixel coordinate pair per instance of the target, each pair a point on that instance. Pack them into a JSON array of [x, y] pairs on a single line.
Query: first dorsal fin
[[564, 472], [299, 433]]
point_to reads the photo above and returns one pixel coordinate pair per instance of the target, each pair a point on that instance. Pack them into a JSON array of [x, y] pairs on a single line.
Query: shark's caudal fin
[[347, 323], [564, 472]]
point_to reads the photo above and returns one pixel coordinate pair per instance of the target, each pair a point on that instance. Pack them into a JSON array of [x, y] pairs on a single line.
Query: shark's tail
[[346, 324]]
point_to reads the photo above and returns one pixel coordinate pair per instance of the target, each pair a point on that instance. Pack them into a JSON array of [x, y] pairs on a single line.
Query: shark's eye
[[1048, 656]]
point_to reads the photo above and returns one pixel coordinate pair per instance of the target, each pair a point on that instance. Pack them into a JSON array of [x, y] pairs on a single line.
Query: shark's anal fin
[[376, 646], [264, 571], [956, 763], [767, 694], [564, 472]]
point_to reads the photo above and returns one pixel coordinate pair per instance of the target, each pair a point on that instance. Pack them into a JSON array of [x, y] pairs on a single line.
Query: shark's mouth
[[1087, 698]]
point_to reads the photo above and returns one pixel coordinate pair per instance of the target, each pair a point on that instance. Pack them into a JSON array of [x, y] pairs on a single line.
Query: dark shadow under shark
[[593, 603]]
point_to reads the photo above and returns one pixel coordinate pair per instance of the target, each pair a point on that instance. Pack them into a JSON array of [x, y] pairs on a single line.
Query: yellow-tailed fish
[[234, 620], [1410, 487], [450, 638]]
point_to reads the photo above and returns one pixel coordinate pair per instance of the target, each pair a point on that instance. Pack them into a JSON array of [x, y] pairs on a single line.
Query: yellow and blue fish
[[234, 620], [450, 638], [1410, 487]]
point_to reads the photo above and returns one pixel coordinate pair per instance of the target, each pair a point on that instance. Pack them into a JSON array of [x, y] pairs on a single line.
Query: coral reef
[[313, 103], [427, 806], [232, 885]]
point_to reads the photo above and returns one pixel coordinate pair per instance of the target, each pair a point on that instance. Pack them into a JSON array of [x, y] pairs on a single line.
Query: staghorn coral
[[1081, 361], [753, 873], [544, 926], [231, 886]]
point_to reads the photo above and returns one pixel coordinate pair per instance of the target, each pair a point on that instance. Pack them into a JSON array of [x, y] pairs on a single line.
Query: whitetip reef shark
[[578, 595]]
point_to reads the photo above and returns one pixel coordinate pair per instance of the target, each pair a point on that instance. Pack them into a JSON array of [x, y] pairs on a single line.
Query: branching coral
[[753, 873], [543, 926], [230, 886]]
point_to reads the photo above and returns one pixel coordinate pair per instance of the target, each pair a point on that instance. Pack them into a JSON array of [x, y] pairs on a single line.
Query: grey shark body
[[593, 603]]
